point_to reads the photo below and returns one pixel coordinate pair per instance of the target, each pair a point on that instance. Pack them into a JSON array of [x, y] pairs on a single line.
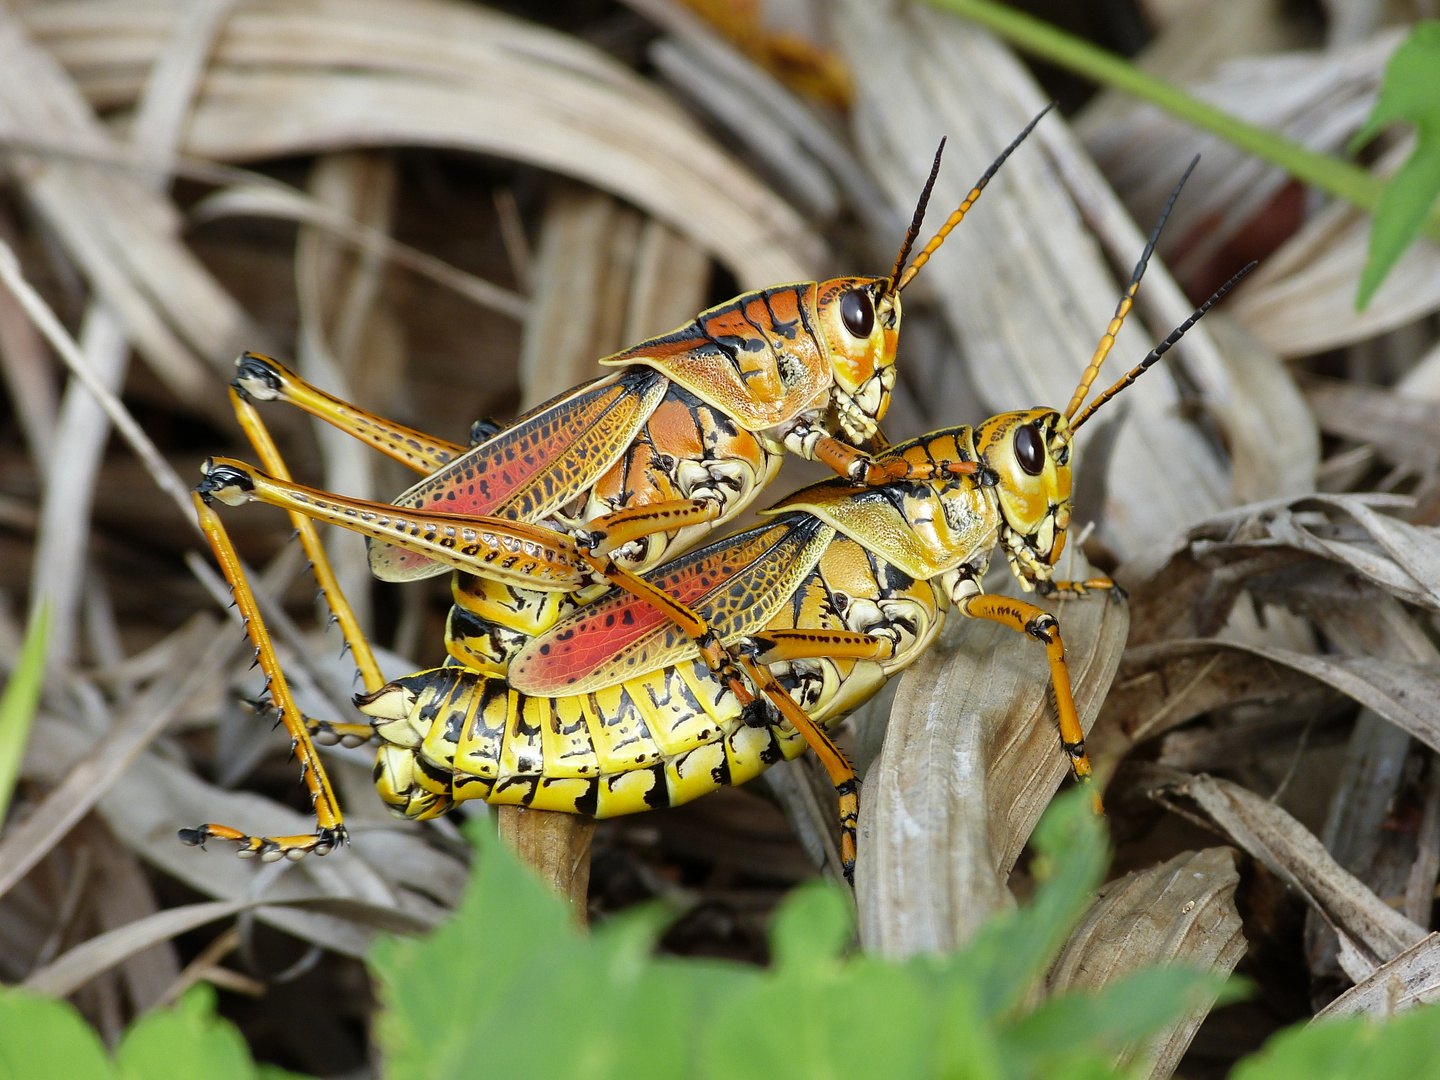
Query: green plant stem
[[17, 705], [1324, 171]]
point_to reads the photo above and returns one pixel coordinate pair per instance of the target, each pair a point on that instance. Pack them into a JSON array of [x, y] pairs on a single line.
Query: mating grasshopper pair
[[555, 696]]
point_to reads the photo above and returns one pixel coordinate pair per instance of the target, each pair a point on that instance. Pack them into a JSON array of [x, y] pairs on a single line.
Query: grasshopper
[[610, 708], [618, 474]]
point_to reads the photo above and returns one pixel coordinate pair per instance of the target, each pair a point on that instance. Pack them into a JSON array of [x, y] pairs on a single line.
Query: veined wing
[[534, 466], [736, 585]]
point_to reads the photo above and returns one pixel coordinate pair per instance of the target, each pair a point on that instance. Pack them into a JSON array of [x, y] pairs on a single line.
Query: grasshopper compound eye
[[1029, 449], [857, 313]]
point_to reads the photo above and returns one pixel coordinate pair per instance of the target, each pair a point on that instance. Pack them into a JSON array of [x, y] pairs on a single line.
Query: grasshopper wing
[[736, 585], [533, 467]]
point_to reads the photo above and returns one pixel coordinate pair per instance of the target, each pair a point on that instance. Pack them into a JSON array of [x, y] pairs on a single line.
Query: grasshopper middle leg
[[777, 645]]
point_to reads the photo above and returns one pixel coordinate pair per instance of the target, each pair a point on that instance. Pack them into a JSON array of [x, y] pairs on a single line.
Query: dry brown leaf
[[1402, 429], [1401, 558], [1317, 98], [1179, 912], [1169, 683], [1302, 299]]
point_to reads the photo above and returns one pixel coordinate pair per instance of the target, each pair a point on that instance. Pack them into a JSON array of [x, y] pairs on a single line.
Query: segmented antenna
[[964, 208], [1107, 341], [916, 220], [1160, 350]]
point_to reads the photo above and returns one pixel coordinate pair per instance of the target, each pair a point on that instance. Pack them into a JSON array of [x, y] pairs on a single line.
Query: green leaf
[[1410, 92], [966, 1047], [1355, 1048], [813, 924], [432, 989], [509, 987], [17, 705], [187, 1042], [1124, 1012], [41, 1039]]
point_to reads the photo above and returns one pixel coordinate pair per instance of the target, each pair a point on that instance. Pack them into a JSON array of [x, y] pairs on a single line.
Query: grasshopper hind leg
[[304, 733], [330, 826]]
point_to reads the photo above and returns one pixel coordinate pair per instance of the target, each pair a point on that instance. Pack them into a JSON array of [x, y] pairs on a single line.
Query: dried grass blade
[[1412, 978], [73, 969], [287, 204], [1375, 931], [166, 477], [201, 656], [29, 374], [118, 230], [396, 73]]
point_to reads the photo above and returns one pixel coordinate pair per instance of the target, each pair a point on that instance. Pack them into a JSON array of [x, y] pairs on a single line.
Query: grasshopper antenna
[[916, 220], [1160, 350], [964, 208], [1107, 341]]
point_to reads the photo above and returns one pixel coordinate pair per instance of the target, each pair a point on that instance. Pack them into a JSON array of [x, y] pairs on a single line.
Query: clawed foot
[[269, 848]]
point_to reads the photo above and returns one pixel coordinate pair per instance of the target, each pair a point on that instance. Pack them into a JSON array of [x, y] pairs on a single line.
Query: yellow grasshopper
[[618, 474], [611, 709]]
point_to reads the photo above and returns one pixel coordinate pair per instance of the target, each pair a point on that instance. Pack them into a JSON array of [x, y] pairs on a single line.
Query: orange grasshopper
[[612, 710], [620, 473]]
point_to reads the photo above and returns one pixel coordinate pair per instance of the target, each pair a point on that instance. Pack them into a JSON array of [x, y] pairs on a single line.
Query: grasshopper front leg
[[873, 470], [1026, 618]]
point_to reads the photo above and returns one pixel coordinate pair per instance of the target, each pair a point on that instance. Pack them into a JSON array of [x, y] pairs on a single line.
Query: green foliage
[[41, 1039], [1410, 92], [44, 1039], [1352, 1049], [17, 705], [510, 986]]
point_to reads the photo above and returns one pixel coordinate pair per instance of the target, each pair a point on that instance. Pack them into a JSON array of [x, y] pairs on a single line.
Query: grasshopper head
[[859, 324], [1028, 453]]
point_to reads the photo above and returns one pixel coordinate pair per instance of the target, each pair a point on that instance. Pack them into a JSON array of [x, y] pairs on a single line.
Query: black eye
[[1029, 449], [857, 313]]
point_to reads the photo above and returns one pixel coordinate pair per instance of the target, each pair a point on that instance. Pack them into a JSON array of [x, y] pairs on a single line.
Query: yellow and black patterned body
[[609, 710]]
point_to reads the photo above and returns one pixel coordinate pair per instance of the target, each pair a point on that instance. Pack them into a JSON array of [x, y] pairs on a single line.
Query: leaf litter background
[[444, 212]]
